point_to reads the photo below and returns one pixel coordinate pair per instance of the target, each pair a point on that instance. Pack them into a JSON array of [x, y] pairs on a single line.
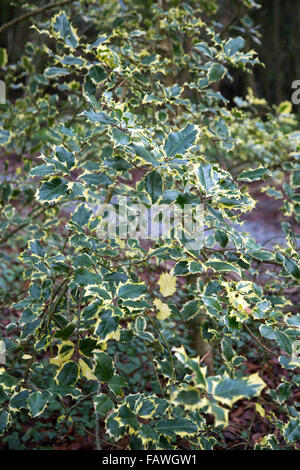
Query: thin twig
[[249, 431], [258, 342], [36, 12], [167, 346], [10, 234], [235, 17], [97, 422]]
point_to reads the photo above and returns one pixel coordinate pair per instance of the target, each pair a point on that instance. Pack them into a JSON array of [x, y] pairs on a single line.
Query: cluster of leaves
[[143, 99]]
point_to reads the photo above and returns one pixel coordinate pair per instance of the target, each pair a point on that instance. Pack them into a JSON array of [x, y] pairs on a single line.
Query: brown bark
[[277, 50], [202, 346]]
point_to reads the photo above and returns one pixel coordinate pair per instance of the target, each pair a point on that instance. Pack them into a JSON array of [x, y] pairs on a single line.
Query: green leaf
[[31, 328], [52, 72], [292, 430], [283, 392], [176, 427], [52, 190], [66, 332], [193, 364], [64, 156], [181, 268], [296, 179], [195, 267], [101, 117], [87, 346], [227, 350], [116, 384], [43, 170], [234, 45], [262, 255], [104, 370], [267, 331], [36, 403], [222, 266], [71, 60], [4, 420], [178, 143], [108, 325], [216, 72], [83, 277], [19, 400], [189, 397], [64, 390], [95, 179], [205, 178], [145, 154], [97, 74], [145, 407], [120, 137], [128, 418], [82, 215], [37, 249], [5, 136], [103, 404], [220, 414], [190, 309], [114, 427], [292, 267], [68, 374], [294, 321], [229, 390], [284, 342], [64, 30], [221, 237], [253, 175], [204, 48], [131, 291], [154, 185], [83, 261]]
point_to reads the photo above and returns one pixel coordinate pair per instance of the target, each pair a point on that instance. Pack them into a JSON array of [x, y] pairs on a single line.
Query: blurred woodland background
[[273, 31]]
